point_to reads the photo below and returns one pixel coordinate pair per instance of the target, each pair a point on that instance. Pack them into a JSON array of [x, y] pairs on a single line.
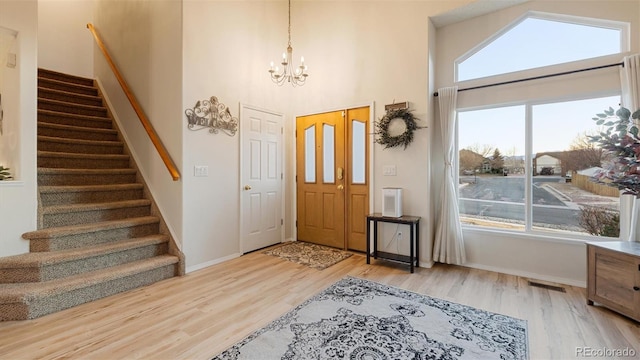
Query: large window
[[536, 179], [524, 155]]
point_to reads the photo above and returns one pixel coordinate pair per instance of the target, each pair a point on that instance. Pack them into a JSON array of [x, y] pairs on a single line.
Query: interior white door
[[261, 178]]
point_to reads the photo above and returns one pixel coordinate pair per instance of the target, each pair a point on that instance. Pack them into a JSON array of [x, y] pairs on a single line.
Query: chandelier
[[296, 77]]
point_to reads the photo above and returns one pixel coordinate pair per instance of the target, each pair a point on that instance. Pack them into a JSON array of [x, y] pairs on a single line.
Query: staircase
[[99, 232]]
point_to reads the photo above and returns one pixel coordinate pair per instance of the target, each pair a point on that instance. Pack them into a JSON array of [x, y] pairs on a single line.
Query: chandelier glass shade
[[295, 75]]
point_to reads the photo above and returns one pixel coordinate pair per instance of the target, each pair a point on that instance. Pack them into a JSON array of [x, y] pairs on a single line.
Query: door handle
[[340, 173], [247, 187], [340, 187]]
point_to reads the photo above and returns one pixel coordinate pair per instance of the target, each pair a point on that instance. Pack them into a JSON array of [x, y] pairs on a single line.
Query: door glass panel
[[358, 152], [310, 154], [328, 153]]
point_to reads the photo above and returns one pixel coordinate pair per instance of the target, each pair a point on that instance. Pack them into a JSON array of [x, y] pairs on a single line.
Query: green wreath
[[382, 129]]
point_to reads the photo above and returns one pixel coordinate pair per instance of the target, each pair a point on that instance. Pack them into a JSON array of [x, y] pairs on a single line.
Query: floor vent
[[547, 286]]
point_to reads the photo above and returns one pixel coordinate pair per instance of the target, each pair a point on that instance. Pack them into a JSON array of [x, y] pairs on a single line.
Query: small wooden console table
[[614, 276], [412, 221]]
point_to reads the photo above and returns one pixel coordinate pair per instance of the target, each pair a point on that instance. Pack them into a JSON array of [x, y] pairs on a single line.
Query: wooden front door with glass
[[332, 178]]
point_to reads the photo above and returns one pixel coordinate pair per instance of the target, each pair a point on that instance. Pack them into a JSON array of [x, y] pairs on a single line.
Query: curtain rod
[[538, 77]]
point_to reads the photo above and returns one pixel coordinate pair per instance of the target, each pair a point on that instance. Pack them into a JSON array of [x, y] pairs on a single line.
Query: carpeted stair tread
[[66, 176], [88, 132], [68, 96], [56, 209], [38, 259], [76, 132], [70, 145], [57, 154], [89, 188], [46, 170], [71, 108], [70, 104], [27, 292], [68, 87], [52, 159], [64, 78], [89, 213], [81, 141], [83, 194], [89, 228], [57, 117]]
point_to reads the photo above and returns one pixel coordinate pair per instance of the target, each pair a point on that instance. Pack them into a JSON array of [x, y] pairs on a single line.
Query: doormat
[[360, 319], [311, 255]]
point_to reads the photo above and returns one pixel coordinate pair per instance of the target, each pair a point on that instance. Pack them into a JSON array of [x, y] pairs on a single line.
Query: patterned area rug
[[360, 319], [311, 255]]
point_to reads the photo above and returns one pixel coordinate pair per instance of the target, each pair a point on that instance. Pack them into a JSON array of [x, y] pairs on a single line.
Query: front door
[[332, 178], [262, 178]]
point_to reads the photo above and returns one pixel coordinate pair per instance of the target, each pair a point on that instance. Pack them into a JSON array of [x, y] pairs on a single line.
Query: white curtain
[[630, 79], [449, 244], [629, 205]]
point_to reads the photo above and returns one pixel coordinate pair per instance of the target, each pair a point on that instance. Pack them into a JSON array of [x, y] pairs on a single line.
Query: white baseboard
[[530, 275], [212, 262]]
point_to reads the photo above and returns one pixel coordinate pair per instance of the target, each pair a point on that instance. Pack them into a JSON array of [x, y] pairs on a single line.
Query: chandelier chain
[[289, 23]]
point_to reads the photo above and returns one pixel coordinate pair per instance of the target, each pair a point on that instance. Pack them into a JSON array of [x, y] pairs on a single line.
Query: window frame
[[625, 45], [529, 231]]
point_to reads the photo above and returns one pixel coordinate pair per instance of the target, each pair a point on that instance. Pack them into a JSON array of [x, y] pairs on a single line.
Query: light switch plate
[[389, 170], [200, 170], [11, 60]]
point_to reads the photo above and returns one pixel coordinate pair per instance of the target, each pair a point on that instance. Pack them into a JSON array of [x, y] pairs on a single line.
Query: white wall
[[18, 201], [64, 43], [535, 256], [227, 49], [145, 41], [358, 53]]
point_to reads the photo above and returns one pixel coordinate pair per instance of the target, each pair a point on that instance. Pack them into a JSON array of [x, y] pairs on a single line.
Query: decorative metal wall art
[[213, 115]]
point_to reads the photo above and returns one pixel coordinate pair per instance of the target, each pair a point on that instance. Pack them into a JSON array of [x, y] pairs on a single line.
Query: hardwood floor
[[200, 314]]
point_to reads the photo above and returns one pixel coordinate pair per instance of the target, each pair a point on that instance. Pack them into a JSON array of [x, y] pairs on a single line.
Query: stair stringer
[[165, 229]]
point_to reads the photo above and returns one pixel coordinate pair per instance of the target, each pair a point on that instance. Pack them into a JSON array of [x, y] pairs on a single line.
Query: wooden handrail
[[162, 151]]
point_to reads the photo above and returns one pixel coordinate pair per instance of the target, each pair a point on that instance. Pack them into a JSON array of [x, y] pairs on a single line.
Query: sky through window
[[536, 43]]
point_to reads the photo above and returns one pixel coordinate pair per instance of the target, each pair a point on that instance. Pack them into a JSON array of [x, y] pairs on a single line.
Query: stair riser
[[94, 292], [85, 179], [76, 134], [72, 88], [14, 311], [71, 109], [45, 145], [100, 237], [70, 98], [44, 74], [61, 270], [88, 197], [63, 119], [86, 217], [75, 163]]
